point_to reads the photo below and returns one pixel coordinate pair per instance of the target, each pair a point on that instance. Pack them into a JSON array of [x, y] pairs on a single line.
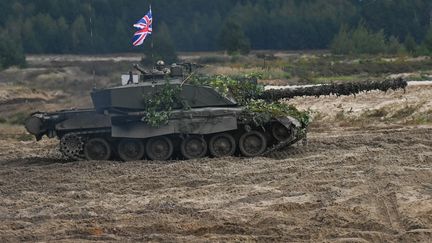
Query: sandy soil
[[349, 184], [346, 185]]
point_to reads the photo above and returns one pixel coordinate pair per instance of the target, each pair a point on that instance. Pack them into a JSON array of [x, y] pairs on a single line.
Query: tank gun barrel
[[335, 89]]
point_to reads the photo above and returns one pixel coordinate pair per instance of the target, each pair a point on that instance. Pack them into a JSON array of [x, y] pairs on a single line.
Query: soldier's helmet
[[160, 65]]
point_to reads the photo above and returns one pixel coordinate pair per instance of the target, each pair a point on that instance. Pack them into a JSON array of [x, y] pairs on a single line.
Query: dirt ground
[[346, 185], [367, 181]]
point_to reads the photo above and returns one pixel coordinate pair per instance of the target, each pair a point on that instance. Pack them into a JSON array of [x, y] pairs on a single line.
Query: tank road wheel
[[159, 148], [222, 145], [252, 144], [130, 149], [280, 132], [97, 149], [193, 147]]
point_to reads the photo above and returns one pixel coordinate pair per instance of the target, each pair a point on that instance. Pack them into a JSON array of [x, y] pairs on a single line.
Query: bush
[[18, 118]]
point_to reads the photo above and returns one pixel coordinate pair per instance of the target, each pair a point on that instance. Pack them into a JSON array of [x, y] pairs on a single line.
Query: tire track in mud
[[386, 204]]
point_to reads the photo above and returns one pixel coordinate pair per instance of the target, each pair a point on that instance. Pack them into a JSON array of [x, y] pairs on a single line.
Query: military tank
[[166, 116]]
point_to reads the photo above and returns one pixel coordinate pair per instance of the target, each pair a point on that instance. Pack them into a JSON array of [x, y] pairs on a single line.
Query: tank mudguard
[[287, 121], [84, 120]]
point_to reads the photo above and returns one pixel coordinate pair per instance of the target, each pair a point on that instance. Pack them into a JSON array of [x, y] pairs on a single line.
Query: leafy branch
[[160, 104]]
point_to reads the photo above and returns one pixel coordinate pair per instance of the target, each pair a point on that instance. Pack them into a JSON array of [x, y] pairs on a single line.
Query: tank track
[[72, 144], [285, 143]]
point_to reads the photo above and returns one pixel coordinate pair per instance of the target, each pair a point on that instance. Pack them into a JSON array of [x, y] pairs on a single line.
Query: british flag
[[145, 28]]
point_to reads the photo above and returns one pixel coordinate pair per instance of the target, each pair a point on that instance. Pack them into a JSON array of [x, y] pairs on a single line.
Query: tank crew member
[[130, 80], [161, 69]]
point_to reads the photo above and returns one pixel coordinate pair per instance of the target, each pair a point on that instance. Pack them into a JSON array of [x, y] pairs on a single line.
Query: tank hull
[[213, 130]]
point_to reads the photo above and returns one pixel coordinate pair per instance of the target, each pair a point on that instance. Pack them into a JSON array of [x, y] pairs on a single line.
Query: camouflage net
[[334, 89]]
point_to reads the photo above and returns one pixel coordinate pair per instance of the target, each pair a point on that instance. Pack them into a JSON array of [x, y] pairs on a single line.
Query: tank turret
[[167, 116]]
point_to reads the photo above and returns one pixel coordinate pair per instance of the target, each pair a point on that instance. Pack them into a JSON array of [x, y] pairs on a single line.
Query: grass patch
[[378, 113], [213, 59], [25, 137], [405, 112], [348, 78], [17, 118], [421, 119], [324, 68]]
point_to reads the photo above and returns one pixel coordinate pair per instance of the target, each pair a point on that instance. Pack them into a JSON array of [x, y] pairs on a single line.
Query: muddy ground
[[346, 185], [349, 184], [365, 176]]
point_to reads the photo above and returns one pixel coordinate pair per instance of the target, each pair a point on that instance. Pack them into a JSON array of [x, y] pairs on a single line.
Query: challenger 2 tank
[[167, 116]]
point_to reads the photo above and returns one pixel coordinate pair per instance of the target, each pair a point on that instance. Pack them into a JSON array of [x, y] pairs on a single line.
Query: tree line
[[105, 26]]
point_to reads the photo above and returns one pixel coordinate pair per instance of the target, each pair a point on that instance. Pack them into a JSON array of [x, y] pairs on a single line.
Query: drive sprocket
[[72, 146]]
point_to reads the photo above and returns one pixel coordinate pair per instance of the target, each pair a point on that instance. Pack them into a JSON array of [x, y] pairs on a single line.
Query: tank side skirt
[[176, 126]]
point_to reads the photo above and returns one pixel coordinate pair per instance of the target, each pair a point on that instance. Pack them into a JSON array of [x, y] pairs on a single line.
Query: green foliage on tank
[[246, 91], [243, 89], [160, 104]]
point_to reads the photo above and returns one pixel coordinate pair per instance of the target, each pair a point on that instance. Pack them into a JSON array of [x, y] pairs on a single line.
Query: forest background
[[237, 26]]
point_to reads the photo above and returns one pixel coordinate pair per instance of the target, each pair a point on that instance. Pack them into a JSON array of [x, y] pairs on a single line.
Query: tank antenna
[[92, 44]]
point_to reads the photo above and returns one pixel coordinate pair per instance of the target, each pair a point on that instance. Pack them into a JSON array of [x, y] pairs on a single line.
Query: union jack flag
[[145, 28]]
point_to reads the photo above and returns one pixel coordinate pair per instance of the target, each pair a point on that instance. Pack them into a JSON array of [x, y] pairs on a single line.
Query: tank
[[167, 116]]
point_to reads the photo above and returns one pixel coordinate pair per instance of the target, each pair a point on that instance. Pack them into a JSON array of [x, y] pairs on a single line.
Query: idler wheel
[[252, 144], [280, 132], [34, 125], [193, 147], [97, 149], [130, 149], [159, 148], [222, 145]]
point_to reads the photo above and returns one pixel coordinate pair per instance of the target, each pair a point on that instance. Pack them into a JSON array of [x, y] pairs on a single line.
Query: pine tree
[[410, 44], [233, 40], [394, 46], [427, 42], [342, 43], [11, 52], [80, 35]]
